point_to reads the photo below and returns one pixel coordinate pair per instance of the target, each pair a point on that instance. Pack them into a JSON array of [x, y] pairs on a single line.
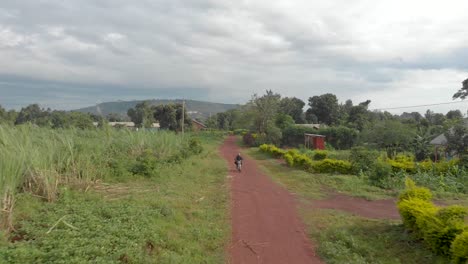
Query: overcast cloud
[[72, 53]]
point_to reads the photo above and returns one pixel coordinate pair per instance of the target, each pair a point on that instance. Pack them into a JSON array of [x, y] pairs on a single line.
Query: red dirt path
[[265, 225], [379, 209]]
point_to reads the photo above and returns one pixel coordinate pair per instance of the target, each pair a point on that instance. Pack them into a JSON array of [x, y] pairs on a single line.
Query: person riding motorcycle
[[238, 159]]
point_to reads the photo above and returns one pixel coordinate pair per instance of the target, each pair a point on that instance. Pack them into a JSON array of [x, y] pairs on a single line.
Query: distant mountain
[[196, 109]]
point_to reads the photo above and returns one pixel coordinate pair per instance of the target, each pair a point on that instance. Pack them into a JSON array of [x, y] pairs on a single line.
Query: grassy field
[[150, 202], [342, 237]]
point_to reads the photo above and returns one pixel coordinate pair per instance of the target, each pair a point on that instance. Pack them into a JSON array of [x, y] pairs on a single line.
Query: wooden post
[[183, 116]]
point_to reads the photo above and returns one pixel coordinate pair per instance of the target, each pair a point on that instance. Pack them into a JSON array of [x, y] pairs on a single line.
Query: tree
[[293, 107], [454, 114], [170, 116], [457, 139], [310, 117], [325, 107], [391, 135], [265, 109], [463, 92], [283, 121], [33, 114], [359, 116], [141, 115]]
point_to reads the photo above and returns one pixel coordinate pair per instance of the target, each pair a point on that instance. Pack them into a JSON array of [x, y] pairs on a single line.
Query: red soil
[[265, 225], [379, 209]]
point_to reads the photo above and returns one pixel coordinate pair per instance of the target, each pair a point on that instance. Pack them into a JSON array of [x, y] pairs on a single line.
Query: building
[[440, 142], [314, 141], [197, 125], [129, 125]]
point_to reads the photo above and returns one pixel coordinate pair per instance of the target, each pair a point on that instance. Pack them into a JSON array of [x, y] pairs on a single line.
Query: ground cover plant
[[345, 238], [142, 197]]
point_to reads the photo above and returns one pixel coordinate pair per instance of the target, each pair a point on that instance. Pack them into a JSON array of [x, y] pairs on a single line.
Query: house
[[197, 125], [129, 125], [441, 140]]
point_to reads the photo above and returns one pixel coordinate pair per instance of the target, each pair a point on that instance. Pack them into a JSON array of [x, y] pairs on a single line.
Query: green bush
[[411, 209], [320, 154], [289, 159], [441, 229], [452, 213], [459, 248], [145, 163], [332, 166], [195, 146], [380, 174], [362, 159], [414, 192]]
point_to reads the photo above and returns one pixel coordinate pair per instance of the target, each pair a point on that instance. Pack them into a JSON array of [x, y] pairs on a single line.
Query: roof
[[317, 126], [439, 140], [442, 139], [198, 122], [313, 135]]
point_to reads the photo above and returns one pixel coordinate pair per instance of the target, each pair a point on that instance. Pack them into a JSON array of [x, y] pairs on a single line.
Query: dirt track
[[265, 225], [379, 209]]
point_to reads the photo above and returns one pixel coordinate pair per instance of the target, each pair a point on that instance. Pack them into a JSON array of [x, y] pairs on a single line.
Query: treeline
[[278, 120], [143, 115]]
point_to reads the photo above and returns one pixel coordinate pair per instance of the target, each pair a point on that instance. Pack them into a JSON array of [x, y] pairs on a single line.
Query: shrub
[[145, 163], [414, 192], [380, 174], [332, 166], [320, 154], [195, 146], [362, 159], [459, 248], [248, 139], [412, 209], [452, 213], [289, 159]]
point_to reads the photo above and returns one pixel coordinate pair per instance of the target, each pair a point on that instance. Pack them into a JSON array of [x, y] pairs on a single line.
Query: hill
[[196, 109]]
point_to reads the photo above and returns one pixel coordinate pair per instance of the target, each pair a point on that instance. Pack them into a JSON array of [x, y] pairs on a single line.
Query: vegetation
[[115, 195], [437, 227]]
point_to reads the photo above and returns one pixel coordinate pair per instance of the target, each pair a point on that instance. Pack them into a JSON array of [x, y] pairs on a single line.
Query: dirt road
[[265, 224]]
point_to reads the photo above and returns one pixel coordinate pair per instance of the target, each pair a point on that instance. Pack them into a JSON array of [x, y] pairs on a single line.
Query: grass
[[344, 238], [340, 236], [316, 186], [178, 214]]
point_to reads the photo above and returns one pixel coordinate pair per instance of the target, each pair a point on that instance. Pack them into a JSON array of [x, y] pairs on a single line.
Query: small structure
[[314, 126], [197, 125], [129, 125], [314, 141], [440, 142]]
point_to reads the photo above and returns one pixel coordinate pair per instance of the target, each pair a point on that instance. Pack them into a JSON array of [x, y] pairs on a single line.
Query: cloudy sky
[[71, 53]]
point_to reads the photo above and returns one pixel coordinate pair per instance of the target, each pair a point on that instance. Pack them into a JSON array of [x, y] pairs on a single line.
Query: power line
[[413, 106]]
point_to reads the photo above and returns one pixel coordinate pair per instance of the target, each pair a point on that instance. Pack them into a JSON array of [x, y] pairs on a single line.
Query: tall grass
[[39, 160]]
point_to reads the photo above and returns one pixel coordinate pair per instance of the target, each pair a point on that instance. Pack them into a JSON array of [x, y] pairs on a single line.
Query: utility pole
[[183, 115]]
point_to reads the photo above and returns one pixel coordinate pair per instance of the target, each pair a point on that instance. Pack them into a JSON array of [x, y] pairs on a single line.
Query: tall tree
[[293, 107], [141, 115], [170, 117], [463, 92], [454, 114], [32, 113], [359, 116], [325, 107], [265, 109]]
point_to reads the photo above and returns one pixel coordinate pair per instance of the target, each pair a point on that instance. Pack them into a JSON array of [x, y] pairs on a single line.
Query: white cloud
[[360, 49]]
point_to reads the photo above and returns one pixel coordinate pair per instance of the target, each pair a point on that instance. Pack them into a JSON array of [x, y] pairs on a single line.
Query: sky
[[67, 54]]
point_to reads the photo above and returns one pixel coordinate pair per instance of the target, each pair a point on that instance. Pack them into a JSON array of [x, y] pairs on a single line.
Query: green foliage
[[289, 159], [414, 192], [438, 228], [380, 174], [325, 107], [459, 248], [40, 160], [339, 137], [170, 116], [180, 218], [141, 115], [362, 159], [320, 154], [332, 166], [292, 106]]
